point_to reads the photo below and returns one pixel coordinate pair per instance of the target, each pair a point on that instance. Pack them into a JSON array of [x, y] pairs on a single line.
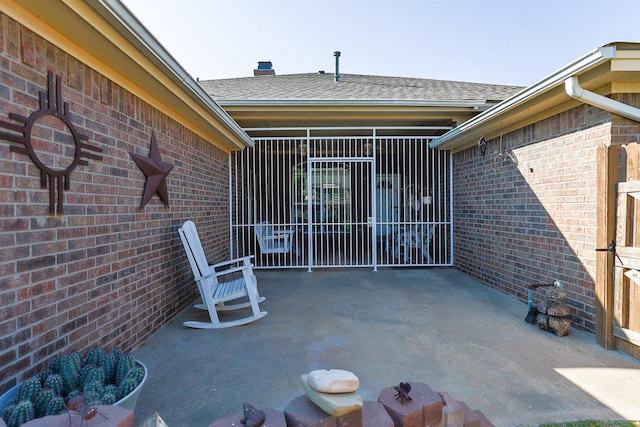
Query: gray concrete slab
[[435, 326]]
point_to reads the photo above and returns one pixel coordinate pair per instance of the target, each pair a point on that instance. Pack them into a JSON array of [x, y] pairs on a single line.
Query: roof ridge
[[347, 75], [316, 86]]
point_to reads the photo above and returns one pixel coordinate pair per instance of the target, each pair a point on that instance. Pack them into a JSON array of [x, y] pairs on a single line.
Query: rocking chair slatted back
[[191, 242]]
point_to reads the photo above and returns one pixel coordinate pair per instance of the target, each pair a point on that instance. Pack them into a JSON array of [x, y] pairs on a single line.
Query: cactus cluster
[[102, 378]]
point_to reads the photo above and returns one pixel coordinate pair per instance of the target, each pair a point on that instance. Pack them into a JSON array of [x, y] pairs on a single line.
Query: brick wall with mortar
[[107, 272], [526, 212]]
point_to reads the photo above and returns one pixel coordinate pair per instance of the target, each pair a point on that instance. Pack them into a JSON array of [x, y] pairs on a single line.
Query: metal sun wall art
[[156, 172], [52, 142], [56, 148]]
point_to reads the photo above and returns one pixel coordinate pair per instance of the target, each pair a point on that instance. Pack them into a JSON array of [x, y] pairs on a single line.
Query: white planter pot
[[8, 395], [127, 402]]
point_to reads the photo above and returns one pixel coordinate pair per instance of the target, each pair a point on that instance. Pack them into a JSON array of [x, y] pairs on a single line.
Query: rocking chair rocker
[[219, 283]]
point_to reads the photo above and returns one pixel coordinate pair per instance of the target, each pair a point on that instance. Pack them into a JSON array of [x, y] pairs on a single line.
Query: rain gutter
[[580, 65], [476, 105], [130, 28], [573, 89]]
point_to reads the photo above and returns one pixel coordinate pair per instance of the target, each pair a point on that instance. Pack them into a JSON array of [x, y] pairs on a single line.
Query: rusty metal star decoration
[[156, 171]]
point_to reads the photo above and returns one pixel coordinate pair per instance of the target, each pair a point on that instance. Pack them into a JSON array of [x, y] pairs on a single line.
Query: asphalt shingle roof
[[318, 86]]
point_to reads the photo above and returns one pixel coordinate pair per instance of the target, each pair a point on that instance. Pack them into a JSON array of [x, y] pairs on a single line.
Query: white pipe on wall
[[573, 89]]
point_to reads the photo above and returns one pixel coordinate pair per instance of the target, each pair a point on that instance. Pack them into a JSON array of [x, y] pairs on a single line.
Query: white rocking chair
[[412, 238], [219, 283], [273, 241]]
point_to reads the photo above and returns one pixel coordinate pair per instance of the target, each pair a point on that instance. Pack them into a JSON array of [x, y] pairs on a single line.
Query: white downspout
[[573, 89]]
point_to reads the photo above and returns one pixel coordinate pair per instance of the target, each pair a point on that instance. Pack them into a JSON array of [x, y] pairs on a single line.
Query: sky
[[511, 42]]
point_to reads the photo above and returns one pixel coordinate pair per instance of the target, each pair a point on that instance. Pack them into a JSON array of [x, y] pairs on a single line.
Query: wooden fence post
[[608, 170]]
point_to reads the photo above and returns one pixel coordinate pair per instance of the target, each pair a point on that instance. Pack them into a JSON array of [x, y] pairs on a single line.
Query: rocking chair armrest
[[224, 272], [206, 276], [245, 260]]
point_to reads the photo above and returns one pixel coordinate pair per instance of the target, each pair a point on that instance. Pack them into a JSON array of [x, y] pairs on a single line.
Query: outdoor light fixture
[[482, 143]]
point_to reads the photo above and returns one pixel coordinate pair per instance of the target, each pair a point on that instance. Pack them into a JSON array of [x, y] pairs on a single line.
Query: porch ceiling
[[341, 114]]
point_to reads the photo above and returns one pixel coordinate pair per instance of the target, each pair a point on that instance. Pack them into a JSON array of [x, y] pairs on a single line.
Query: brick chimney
[[265, 68]]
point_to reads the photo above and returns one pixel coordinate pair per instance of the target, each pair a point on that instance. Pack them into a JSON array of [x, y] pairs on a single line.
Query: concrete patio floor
[[435, 326]]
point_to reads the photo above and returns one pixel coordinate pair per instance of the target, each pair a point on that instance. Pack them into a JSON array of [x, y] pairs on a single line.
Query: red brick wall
[[107, 272], [625, 131], [531, 217]]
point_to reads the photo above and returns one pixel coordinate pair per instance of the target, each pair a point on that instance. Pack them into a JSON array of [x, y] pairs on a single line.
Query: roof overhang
[[614, 68], [351, 112], [107, 37]]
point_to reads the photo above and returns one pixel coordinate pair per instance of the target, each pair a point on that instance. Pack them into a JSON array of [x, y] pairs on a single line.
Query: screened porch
[[361, 197]]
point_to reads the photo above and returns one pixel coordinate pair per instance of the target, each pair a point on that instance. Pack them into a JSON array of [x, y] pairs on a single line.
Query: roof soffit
[[604, 71], [361, 113], [108, 46]]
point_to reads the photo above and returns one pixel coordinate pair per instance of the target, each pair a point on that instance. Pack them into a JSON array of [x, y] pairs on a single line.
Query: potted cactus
[[100, 377]]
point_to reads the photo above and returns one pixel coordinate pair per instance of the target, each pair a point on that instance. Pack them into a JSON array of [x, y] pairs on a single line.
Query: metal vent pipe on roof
[[337, 55]]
